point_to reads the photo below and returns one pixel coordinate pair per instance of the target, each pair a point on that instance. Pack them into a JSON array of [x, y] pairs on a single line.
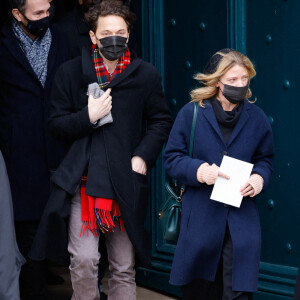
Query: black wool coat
[[138, 102], [28, 149]]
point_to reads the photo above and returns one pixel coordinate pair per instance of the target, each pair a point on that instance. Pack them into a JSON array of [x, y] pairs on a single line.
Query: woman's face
[[236, 76]]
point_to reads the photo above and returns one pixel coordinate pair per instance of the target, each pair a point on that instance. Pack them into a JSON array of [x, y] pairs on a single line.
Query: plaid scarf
[[103, 76], [101, 214]]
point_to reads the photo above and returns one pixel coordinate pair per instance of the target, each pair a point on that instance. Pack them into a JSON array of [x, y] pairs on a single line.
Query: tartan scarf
[[103, 76], [101, 214]]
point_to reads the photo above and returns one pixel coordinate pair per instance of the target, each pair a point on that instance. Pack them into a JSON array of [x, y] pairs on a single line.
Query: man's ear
[[93, 37], [16, 13]]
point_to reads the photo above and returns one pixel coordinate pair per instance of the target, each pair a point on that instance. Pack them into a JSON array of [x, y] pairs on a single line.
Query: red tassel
[[106, 210]]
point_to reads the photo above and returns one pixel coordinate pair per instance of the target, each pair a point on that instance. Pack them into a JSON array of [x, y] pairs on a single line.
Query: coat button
[[224, 153], [225, 205]]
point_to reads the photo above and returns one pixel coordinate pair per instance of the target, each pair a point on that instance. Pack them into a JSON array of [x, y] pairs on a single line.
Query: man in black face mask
[[111, 149], [31, 51]]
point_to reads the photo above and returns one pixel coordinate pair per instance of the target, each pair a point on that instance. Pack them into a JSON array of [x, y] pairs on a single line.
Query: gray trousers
[[10, 257], [85, 257]]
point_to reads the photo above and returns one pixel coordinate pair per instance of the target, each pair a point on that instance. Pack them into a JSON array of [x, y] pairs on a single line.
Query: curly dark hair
[[108, 8]]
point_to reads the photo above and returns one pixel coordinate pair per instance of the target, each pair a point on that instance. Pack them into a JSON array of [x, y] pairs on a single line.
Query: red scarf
[[103, 76], [99, 213]]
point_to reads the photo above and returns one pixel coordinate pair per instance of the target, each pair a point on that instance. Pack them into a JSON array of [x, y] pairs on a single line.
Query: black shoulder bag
[[170, 213]]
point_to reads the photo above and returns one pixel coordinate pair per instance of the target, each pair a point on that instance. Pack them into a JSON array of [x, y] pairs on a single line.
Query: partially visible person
[[11, 259], [215, 235], [31, 50], [76, 28]]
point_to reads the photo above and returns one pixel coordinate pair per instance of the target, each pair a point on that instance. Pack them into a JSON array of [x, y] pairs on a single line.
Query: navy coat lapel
[[12, 44], [241, 122], [211, 118]]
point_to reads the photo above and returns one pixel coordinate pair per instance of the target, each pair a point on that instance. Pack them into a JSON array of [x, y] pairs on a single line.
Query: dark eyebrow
[[39, 11]]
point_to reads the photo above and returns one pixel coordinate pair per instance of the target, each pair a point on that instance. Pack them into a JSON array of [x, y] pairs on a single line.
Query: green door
[[178, 37]]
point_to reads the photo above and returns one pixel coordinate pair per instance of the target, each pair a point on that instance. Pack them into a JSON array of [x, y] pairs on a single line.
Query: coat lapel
[[52, 56], [134, 64], [211, 118], [241, 122], [88, 69], [12, 44]]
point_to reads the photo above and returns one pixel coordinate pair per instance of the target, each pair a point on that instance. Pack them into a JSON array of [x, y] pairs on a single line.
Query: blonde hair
[[209, 81]]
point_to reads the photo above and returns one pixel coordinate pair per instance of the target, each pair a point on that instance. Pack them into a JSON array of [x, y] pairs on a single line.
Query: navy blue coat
[[203, 220], [29, 151]]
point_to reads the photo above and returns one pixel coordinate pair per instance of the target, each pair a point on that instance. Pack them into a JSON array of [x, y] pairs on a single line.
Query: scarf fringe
[[99, 215]]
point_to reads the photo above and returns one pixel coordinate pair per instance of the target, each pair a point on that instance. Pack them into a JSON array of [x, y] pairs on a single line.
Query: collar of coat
[[89, 72], [11, 43], [209, 114]]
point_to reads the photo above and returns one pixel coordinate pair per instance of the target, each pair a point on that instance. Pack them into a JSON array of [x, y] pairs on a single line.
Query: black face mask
[[234, 94], [113, 47], [39, 27]]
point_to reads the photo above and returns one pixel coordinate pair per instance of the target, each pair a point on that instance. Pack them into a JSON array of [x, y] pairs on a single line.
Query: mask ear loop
[[25, 19]]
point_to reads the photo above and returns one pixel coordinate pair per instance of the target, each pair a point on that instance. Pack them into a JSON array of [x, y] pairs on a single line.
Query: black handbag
[[170, 212]]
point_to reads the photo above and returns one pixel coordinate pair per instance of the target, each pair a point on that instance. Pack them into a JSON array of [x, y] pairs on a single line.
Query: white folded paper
[[228, 191]]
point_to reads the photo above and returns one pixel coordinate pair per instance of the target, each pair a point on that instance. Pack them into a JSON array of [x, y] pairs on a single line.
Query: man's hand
[[100, 107], [138, 165]]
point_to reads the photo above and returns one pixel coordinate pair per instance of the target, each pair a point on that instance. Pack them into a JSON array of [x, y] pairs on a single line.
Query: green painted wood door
[[179, 37]]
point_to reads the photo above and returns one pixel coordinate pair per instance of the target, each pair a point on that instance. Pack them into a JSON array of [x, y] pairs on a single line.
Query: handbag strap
[[191, 143], [193, 129]]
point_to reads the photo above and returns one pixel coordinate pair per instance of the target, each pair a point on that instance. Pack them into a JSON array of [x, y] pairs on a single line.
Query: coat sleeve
[[159, 123], [263, 155], [66, 123], [178, 164]]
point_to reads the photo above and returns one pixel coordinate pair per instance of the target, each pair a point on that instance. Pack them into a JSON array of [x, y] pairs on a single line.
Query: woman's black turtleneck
[[226, 119]]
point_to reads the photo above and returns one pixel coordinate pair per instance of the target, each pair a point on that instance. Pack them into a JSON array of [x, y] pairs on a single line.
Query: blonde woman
[[218, 239]]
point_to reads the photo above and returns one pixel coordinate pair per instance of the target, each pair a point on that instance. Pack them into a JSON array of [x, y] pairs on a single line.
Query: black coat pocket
[[140, 194]]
